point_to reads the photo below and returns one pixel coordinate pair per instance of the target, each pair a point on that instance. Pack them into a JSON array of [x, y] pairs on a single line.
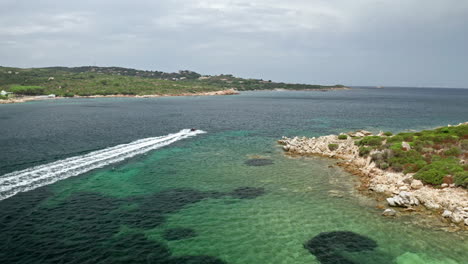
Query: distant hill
[[92, 80]]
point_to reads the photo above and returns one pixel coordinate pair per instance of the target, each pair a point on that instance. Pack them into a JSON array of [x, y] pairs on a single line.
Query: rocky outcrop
[[401, 189], [37, 98], [403, 199]]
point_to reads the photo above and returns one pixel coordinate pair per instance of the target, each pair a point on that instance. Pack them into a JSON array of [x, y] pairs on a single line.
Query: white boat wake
[[35, 177]]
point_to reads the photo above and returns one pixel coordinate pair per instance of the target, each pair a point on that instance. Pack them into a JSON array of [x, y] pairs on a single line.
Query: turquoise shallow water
[[234, 213]]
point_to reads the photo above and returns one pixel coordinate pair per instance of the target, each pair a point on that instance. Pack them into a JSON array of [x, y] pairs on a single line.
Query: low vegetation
[[26, 90], [342, 137], [86, 81], [332, 147], [435, 156]]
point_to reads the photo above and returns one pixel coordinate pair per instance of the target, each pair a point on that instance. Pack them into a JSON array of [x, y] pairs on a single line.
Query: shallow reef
[[328, 247], [247, 192], [84, 228], [259, 162]]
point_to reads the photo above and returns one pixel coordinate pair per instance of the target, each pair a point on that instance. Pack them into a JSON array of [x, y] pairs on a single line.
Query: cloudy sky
[[354, 42]]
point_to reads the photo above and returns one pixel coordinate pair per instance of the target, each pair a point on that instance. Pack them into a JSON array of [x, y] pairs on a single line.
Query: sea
[[202, 179]]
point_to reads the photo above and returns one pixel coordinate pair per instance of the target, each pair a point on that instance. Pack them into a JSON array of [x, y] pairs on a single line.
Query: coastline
[[24, 99], [213, 93], [401, 191], [40, 98]]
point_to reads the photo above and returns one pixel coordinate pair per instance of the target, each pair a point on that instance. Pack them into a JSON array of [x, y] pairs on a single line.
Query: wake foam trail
[[38, 176]]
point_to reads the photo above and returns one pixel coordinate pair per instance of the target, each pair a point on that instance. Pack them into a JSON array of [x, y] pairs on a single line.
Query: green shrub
[[395, 139], [461, 179], [414, 167], [432, 176], [342, 137], [396, 146], [384, 165], [3, 97], [397, 167], [27, 90], [371, 141], [444, 130], [388, 134], [332, 147], [453, 151], [435, 172], [464, 144], [68, 94], [364, 151]]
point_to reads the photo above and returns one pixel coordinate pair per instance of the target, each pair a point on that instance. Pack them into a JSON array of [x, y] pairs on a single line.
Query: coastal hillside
[[90, 80]]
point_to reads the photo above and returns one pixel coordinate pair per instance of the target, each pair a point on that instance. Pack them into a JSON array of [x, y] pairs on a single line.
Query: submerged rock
[[328, 247], [389, 212], [258, 162], [247, 192]]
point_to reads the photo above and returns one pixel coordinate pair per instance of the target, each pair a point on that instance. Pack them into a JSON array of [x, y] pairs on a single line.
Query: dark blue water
[[39, 132], [203, 200]]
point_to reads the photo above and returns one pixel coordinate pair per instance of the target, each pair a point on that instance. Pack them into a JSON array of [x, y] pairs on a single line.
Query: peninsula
[[417, 171], [18, 84]]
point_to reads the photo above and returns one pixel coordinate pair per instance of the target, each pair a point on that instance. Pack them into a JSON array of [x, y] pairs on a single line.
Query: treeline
[[91, 80]]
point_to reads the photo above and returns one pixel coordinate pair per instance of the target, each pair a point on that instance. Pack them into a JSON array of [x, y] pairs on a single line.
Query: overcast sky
[[353, 42]]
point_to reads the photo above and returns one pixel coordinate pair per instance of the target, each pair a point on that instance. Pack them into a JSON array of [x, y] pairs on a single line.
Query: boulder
[[456, 218], [446, 213], [403, 199], [366, 133], [416, 184], [389, 212], [359, 134], [431, 205], [380, 188], [406, 145], [404, 188]]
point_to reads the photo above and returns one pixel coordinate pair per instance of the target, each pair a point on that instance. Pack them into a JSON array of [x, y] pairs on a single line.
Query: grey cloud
[[361, 42]]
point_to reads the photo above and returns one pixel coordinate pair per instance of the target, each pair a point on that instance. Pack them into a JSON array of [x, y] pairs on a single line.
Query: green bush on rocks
[[371, 141], [461, 179], [453, 151], [332, 147], [364, 151], [342, 137], [435, 172]]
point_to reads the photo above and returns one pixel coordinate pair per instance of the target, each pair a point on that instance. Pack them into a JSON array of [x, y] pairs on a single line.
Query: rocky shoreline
[[399, 189], [38, 98]]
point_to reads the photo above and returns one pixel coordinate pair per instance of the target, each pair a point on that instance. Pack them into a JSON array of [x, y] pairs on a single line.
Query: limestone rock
[[456, 218], [380, 188], [431, 205], [406, 145], [403, 199], [389, 212], [446, 213], [416, 184], [404, 188]]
